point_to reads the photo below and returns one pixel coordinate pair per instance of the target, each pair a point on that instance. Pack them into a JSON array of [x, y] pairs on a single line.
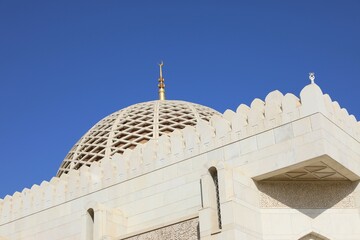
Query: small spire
[[161, 84], [312, 77]]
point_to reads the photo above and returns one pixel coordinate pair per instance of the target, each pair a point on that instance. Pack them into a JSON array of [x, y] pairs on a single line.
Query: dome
[[128, 127]]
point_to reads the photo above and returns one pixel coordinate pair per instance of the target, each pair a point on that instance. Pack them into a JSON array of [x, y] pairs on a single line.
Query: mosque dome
[[131, 126]]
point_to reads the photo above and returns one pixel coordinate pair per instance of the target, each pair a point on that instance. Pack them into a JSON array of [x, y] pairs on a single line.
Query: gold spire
[[161, 84]]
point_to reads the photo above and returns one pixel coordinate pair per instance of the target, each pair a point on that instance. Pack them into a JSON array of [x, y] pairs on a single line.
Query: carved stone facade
[[287, 168], [307, 195], [187, 230]]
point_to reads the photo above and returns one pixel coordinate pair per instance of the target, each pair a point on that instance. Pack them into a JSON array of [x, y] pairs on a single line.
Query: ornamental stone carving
[[187, 230], [307, 195]]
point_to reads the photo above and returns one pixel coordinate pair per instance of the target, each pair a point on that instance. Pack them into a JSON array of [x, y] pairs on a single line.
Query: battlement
[[276, 110]]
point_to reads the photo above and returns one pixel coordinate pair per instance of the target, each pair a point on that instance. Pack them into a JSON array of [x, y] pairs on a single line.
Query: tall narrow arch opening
[[90, 220], [215, 195]]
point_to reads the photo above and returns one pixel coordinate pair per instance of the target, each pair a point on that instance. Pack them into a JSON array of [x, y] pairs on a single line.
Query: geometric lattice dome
[[131, 126]]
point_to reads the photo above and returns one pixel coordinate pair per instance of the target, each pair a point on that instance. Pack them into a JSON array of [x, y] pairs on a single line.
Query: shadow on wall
[[310, 198], [198, 231]]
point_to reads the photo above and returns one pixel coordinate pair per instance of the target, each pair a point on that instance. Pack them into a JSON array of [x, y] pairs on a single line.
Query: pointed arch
[[90, 220], [215, 194]]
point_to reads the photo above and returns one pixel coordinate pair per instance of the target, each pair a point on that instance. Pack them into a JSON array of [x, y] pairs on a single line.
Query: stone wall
[[276, 110], [307, 195], [186, 230]]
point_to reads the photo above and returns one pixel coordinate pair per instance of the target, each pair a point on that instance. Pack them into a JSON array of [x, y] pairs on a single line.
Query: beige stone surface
[[183, 230], [307, 195], [288, 168]]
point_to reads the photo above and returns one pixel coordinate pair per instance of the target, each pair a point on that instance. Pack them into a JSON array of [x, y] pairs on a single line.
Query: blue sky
[[64, 65]]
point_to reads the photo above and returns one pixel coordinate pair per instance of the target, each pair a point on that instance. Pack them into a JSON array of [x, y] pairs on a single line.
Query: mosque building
[[285, 168]]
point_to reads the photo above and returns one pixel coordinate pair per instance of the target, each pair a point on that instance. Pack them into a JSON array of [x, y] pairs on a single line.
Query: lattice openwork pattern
[[131, 126]]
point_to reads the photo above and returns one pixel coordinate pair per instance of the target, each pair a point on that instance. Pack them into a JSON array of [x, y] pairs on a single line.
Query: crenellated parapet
[[279, 109], [276, 110]]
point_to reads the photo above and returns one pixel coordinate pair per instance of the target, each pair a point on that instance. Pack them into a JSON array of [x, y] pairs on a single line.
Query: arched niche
[[90, 220]]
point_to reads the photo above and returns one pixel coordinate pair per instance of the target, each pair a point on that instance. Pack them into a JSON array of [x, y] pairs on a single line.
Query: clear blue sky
[[64, 65]]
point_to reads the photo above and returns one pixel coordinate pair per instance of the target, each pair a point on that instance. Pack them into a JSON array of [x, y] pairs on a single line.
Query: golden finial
[[161, 84]]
